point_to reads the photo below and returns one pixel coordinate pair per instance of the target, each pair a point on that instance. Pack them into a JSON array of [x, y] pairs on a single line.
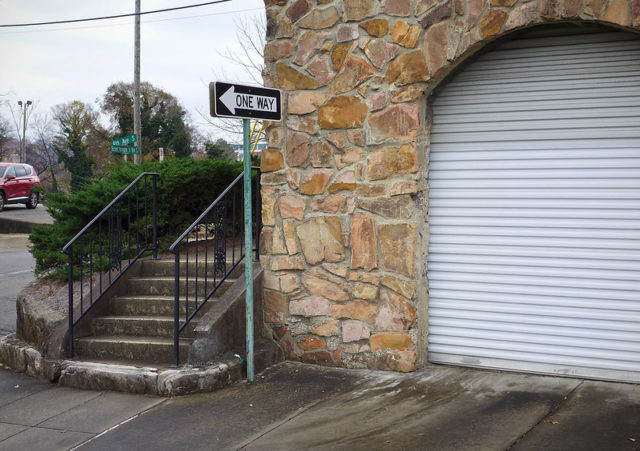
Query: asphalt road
[[16, 271]]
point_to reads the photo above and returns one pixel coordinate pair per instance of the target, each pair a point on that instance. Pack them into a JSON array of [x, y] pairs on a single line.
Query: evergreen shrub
[[185, 188]]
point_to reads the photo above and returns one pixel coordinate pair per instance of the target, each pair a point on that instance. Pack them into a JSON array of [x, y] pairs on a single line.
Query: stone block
[[298, 149], [398, 247], [376, 27], [271, 160], [403, 187], [308, 44], [268, 206], [310, 306], [324, 284], [392, 161], [397, 123], [275, 307], [394, 313], [311, 343], [326, 329], [400, 8], [321, 239], [305, 102], [360, 310], [290, 79], [436, 42], [298, 9], [491, 23], [321, 68], [436, 15], [320, 19], [315, 182], [356, 10], [334, 203], [406, 288], [408, 68], [353, 72], [291, 206], [393, 208], [380, 52], [344, 181], [390, 341], [342, 112], [364, 252], [353, 330], [279, 262], [350, 156]]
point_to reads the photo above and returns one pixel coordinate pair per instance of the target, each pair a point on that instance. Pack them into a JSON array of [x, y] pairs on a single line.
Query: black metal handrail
[[217, 234], [106, 247]]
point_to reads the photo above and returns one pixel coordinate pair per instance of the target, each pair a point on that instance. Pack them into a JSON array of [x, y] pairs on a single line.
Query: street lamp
[[23, 148]]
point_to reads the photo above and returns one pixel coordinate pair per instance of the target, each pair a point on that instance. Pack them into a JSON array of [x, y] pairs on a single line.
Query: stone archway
[[344, 179]]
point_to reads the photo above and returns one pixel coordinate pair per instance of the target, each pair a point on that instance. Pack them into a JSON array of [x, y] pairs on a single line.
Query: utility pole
[[23, 147], [137, 125]]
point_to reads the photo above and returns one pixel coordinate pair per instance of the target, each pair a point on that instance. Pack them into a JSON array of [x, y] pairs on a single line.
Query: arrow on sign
[[241, 101]]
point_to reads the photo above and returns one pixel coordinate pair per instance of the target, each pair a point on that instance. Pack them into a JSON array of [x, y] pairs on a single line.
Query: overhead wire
[[123, 24], [114, 16]]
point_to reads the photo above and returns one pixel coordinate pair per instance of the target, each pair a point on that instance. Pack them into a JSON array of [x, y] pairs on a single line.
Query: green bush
[[185, 188]]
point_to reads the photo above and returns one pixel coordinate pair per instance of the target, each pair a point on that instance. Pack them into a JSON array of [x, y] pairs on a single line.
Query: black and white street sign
[[245, 102]]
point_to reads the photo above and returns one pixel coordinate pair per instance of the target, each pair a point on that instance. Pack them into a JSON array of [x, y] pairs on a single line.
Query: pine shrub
[[185, 188]]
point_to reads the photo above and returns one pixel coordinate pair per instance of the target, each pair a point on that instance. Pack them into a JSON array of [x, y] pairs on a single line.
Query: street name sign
[[130, 139], [126, 150], [244, 102]]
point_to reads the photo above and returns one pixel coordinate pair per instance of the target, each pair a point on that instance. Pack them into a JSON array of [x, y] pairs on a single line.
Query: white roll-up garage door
[[534, 212]]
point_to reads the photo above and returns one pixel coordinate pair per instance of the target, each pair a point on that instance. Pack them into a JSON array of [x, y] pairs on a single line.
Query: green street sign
[[125, 140], [126, 150]]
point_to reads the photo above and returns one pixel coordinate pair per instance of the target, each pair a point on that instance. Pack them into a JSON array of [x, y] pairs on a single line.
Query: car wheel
[[32, 202], [2, 201]]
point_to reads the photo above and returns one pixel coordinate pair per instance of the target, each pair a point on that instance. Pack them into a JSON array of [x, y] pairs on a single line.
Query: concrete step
[[156, 350], [164, 286], [166, 267], [150, 305], [150, 326]]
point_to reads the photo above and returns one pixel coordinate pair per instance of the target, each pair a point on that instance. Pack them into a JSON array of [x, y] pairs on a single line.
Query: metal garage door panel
[[534, 256]]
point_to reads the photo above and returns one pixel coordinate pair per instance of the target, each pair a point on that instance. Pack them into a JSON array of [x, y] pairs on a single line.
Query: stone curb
[[23, 358]]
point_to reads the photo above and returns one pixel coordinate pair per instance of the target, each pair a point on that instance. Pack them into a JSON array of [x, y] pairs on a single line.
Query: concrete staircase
[[134, 323]]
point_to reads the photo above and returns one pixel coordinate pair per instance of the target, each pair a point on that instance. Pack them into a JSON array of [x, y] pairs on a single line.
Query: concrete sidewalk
[[294, 407]]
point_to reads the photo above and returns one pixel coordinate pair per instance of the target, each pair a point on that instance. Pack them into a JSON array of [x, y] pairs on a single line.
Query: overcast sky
[[54, 64]]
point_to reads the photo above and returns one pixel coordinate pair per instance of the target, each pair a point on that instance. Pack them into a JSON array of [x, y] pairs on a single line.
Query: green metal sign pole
[[248, 268]]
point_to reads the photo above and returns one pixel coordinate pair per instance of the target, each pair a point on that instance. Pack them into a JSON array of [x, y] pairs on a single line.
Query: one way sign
[[246, 102]]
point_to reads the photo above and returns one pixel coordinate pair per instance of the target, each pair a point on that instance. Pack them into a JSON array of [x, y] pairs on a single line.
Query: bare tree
[[250, 35], [5, 136], [42, 155]]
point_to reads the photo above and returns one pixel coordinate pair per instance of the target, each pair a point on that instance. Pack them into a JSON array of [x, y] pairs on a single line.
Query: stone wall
[[344, 185]]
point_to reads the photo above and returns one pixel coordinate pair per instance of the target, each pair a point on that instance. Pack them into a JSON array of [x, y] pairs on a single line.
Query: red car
[[18, 184]]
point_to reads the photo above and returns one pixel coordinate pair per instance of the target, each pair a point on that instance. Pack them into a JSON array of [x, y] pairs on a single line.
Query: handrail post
[[176, 308], [155, 221], [71, 301]]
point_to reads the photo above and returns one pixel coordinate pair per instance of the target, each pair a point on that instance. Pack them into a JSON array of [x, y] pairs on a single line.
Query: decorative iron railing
[[104, 249], [210, 250]]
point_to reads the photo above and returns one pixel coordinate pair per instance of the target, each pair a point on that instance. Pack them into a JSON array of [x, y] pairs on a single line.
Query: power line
[[117, 16], [127, 24]]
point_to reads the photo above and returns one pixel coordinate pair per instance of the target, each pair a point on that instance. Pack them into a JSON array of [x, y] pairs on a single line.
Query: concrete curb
[[14, 226], [23, 358]]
